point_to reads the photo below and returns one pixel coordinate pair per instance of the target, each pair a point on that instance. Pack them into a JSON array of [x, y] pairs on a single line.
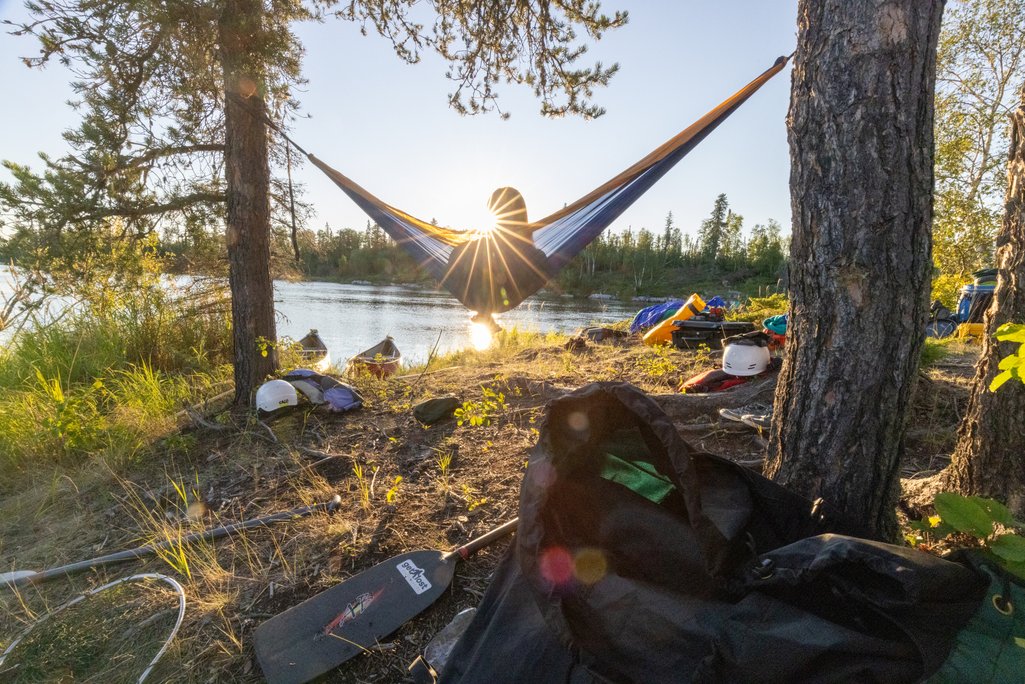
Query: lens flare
[[578, 421], [480, 336], [590, 566], [485, 224], [556, 565]]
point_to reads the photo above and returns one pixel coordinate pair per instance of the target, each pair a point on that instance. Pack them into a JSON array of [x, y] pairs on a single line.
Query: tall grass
[[110, 373]]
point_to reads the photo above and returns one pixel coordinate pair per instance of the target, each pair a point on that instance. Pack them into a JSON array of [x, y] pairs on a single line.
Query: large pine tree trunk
[[989, 459], [248, 189], [861, 148]]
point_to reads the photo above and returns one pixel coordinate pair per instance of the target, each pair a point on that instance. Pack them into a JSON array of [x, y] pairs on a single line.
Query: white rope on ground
[[110, 585]]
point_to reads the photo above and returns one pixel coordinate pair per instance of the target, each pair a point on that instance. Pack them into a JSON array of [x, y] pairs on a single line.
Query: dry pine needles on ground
[[404, 486]]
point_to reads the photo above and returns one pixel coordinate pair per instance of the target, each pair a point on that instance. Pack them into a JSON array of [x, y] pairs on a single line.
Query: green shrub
[[108, 374], [757, 309], [987, 523]]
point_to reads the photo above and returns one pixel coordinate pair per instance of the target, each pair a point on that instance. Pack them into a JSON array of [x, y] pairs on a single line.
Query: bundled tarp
[[640, 559], [654, 314]]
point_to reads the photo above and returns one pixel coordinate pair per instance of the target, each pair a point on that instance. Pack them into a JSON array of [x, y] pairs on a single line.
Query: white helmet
[[275, 394], [745, 359]]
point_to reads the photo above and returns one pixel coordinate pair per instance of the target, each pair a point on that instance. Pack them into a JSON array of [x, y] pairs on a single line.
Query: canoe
[[314, 352], [381, 360], [663, 332]]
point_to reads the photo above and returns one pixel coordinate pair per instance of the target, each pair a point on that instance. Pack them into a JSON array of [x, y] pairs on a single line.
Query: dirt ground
[[404, 486]]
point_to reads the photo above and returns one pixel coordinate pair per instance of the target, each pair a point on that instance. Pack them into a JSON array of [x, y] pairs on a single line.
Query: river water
[[351, 318]]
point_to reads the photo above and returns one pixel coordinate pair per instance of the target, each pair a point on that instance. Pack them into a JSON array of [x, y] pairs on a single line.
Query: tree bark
[[861, 149], [247, 174], [989, 459]]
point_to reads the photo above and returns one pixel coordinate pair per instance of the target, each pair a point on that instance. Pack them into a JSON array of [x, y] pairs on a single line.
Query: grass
[[96, 461], [505, 344], [456, 482], [115, 416], [936, 350], [111, 636], [757, 309], [108, 376]]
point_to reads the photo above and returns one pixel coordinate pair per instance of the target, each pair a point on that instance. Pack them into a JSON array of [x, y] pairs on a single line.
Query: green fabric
[[991, 647], [626, 443], [640, 477]]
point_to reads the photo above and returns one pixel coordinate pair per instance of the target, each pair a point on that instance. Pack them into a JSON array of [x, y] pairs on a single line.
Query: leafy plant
[[68, 421], [393, 492], [986, 521], [659, 365], [757, 309], [703, 355], [479, 413], [472, 502], [1012, 365]]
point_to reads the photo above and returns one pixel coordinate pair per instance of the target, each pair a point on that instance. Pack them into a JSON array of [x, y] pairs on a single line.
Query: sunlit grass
[[105, 380]]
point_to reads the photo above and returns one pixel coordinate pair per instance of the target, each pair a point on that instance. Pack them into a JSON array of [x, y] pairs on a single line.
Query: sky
[[387, 125]]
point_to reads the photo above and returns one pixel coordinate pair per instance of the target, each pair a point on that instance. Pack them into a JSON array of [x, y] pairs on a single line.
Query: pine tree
[[710, 234], [861, 227], [989, 459], [175, 97]]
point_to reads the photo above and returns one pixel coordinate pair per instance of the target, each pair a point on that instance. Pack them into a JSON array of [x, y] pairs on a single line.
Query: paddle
[[19, 578], [328, 629]]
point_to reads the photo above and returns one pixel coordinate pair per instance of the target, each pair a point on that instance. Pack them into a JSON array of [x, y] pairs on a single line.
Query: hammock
[[494, 270]]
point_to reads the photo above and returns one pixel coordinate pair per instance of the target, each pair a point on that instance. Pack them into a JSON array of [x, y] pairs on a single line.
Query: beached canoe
[[314, 351], [380, 360]]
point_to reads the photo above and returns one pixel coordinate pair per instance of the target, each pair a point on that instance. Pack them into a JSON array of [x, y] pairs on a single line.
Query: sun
[[480, 336], [488, 228]]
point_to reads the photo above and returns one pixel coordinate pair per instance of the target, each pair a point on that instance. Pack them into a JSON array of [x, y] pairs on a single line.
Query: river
[[351, 318]]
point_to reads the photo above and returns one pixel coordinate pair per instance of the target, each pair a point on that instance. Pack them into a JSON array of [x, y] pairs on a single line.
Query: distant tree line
[[644, 262], [627, 262]]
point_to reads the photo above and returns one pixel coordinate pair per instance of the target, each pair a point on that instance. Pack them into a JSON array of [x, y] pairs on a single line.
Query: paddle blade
[[328, 629]]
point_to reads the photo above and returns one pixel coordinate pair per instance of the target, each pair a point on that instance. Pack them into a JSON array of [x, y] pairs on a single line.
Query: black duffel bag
[[641, 559]]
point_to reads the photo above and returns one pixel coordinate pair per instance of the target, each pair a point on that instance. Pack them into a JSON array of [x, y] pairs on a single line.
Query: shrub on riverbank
[[108, 371]]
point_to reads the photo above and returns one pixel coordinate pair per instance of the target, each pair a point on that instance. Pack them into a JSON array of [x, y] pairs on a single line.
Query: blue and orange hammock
[[495, 270]]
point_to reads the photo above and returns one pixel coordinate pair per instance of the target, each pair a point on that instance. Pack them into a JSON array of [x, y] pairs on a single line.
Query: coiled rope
[[110, 585]]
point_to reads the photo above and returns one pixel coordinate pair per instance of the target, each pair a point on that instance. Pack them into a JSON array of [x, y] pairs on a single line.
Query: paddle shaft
[[206, 535], [473, 546]]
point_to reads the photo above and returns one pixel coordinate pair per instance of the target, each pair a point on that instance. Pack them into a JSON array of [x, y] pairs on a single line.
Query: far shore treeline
[[721, 254]]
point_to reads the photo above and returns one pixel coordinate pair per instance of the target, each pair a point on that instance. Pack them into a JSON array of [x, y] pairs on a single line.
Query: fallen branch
[[204, 423], [425, 372], [719, 427], [684, 408], [187, 413]]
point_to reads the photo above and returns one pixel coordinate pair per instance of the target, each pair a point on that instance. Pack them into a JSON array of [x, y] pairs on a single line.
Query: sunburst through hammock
[[492, 269]]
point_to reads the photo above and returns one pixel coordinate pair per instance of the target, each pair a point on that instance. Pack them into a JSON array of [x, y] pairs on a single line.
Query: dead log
[[684, 408]]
